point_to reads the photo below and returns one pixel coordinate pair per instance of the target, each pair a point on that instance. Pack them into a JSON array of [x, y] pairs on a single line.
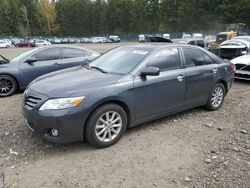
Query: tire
[[218, 94], [7, 46], [8, 85], [102, 131]]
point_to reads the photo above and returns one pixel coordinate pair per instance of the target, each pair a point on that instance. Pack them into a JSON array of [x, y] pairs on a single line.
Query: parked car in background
[[142, 38], [247, 38], [4, 44], [114, 38], [233, 48], [40, 43], [197, 36], [55, 41], [242, 65], [28, 44], [166, 36], [14, 41], [210, 38], [17, 73], [186, 36], [99, 40], [123, 88], [195, 42], [85, 40]]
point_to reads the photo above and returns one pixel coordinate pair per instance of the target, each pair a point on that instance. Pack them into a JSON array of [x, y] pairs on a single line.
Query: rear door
[[156, 95], [200, 75], [46, 61], [73, 57]]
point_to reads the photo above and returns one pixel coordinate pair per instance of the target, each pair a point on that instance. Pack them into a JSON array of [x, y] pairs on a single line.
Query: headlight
[[61, 103]]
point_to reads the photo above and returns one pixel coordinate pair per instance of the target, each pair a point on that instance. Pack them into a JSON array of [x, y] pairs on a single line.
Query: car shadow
[[245, 82]]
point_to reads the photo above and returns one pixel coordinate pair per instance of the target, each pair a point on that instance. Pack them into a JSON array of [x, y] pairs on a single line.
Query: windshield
[[120, 60], [24, 55], [221, 37]]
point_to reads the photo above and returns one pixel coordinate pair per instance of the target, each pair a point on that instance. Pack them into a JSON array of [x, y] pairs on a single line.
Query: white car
[[166, 35], [142, 38], [242, 65], [233, 48], [4, 44], [39, 43], [197, 35]]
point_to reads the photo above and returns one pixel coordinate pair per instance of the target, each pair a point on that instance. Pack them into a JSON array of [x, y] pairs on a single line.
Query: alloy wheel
[[7, 86], [217, 97], [108, 126]]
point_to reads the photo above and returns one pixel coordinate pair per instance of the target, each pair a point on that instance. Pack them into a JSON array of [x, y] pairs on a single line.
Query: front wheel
[[8, 85], [216, 98], [106, 126]]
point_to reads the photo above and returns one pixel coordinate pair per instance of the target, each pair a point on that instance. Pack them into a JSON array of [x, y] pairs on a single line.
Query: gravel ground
[[195, 148]]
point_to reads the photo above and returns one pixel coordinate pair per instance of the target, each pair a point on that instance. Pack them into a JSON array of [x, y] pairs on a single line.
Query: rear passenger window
[[208, 59], [195, 57], [72, 53], [167, 59]]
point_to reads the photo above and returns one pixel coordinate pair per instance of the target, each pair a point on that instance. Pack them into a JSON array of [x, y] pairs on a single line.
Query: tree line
[[101, 17]]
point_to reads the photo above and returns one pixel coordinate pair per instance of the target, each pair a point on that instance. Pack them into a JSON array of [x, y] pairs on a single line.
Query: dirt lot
[[193, 149]]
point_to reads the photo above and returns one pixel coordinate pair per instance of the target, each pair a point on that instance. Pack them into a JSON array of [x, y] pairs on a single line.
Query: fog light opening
[[54, 132]]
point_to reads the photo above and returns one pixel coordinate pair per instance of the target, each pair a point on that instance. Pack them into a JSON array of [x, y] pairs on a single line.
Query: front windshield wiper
[[98, 68]]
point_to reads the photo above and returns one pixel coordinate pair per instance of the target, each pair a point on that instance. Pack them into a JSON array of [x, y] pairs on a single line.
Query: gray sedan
[[123, 88], [19, 72]]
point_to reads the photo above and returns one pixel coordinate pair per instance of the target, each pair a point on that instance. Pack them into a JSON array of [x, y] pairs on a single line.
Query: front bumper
[[243, 75], [69, 123]]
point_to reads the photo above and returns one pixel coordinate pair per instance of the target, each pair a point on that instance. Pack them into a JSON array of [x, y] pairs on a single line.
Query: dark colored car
[[19, 72], [25, 44], [125, 87], [193, 41]]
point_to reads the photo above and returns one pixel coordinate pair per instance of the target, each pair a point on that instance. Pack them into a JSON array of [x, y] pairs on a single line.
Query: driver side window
[[167, 59], [47, 55]]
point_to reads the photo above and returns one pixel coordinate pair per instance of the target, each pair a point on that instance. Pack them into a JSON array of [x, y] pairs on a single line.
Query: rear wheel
[[8, 85], [216, 98], [106, 126], [8, 46]]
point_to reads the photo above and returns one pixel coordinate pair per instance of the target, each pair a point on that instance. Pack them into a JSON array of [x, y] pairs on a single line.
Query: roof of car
[[158, 45], [64, 46]]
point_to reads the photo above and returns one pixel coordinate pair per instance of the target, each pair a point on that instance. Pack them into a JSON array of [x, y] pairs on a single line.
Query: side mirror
[[30, 60], [150, 71]]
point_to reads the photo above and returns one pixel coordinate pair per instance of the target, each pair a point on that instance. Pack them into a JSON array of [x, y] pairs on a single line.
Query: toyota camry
[[124, 87]]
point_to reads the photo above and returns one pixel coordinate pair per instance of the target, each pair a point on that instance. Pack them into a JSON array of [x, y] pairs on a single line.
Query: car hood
[[71, 82], [245, 59]]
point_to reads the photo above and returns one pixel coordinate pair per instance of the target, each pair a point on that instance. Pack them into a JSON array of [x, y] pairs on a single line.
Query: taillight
[[233, 67]]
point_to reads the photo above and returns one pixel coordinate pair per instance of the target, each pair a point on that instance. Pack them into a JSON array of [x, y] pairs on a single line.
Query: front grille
[[242, 67], [31, 101]]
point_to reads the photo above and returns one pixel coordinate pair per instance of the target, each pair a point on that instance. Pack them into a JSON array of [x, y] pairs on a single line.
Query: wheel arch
[[14, 77], [119, 102], [224, 84]]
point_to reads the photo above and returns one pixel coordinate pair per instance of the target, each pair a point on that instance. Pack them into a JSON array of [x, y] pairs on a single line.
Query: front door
[[156, 95], [46, 61]]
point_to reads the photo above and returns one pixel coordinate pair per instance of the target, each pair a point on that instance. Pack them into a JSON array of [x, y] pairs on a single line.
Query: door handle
[[180, 78], [215, 70]]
